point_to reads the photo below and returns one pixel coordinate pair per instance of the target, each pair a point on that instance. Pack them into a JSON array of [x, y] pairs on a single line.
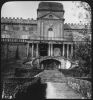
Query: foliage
[[83, 54], [86, 7], [82, 86]]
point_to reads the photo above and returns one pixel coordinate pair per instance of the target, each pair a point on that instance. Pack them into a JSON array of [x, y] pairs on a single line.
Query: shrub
[[82, 86]]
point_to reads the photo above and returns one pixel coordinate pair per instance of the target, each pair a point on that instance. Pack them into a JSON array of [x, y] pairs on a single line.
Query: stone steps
[[52, 75]]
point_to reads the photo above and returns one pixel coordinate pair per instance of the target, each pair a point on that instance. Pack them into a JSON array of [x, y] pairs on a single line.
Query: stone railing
[[82, 86], [12, 40], [34, 39]]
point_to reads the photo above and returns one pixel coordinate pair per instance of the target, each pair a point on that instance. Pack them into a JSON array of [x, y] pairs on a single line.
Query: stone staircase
[[57, 87], [52, 75]]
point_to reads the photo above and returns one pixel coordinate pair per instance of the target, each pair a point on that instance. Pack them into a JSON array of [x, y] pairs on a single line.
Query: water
[[33, 92], [50, 91]]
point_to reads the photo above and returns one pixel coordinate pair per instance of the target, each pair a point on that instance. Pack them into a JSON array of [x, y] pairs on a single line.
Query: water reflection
[[34, 92]]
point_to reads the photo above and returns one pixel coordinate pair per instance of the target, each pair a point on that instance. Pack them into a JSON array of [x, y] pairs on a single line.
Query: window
[[24, 36], [2, 27], [5, 36], [15, 27], [50, 33], [50, 29], [30, 28], [26, 28], [23, 28], [6, 27], [50, 16]]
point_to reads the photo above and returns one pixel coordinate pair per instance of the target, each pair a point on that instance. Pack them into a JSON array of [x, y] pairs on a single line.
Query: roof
[[50, 13], [50, 6]]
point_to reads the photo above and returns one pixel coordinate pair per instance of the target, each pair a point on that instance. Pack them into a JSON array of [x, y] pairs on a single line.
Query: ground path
[[56, 86]]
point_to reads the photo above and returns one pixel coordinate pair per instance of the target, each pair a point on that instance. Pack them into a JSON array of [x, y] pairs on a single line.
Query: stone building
[[47, 36]]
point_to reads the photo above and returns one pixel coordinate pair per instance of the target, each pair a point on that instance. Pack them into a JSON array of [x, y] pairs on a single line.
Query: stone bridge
[[62, 62]]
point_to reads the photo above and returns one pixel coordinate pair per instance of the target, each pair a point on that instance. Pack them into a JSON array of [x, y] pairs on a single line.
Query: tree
[[86, 17], [83, 54]]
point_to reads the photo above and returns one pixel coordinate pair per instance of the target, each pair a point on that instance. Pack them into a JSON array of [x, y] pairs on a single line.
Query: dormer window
[[50, 16]]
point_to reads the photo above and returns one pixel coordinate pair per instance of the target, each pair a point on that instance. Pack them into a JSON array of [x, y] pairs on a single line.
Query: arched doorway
[[50, 64]]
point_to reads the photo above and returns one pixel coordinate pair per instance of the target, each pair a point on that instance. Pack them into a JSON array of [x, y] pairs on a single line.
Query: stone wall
[[9, 51], [12, 51], [22, 51], [18, 30], [26, 28], [57, 27]]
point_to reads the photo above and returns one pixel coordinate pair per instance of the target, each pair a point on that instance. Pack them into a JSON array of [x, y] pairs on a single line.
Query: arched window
[[50, 16], [50, 34]]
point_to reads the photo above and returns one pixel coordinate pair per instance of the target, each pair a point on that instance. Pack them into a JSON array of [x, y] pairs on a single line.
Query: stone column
[[60, 31], [42, 32], [63, 49], [49, 50], [71, 50], [59, 66], [7, 52], [67, 50], [27, 49], [37, 50], [32, 49]]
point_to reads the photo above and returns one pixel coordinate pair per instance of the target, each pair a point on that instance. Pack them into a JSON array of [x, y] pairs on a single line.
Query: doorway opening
[[50, 64], [43, 49]]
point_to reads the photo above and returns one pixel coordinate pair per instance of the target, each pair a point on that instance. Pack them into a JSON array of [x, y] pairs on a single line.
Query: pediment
[[51, 16]]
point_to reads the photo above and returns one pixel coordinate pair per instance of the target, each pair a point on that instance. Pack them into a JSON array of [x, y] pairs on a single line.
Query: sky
[[28, 9]]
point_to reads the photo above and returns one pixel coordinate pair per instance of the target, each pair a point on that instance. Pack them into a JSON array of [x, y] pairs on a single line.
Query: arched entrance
[[50, 64]]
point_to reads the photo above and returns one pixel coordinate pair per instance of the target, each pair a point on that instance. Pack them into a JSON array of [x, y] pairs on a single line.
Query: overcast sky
[[28, 9]]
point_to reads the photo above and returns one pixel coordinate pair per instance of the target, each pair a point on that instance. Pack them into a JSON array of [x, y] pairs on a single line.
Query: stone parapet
[[76, 26], [32, 21], [18, 20]]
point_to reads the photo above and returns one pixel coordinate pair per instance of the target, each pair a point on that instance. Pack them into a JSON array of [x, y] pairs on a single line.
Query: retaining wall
[[9, 52]]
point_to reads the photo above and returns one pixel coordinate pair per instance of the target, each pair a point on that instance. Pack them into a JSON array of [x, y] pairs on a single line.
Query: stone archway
[[50, 64]]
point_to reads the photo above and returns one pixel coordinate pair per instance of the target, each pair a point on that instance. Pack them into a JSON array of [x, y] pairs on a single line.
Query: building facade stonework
[[46, 36]]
